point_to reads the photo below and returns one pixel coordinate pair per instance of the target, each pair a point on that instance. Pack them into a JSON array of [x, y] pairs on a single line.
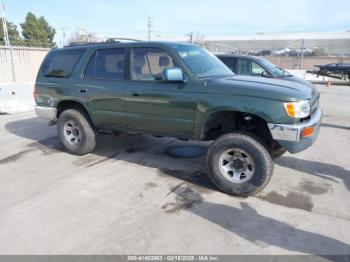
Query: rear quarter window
[[60, 63]]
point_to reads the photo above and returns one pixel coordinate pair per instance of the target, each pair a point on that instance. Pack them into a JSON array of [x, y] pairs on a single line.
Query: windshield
[[275, 69], [202, 63]]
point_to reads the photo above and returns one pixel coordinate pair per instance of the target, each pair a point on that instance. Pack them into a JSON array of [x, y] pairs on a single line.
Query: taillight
[[34, 92]]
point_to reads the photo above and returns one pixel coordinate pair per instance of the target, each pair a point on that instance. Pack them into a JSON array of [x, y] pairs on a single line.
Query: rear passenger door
[[153, 105], [103, 83]]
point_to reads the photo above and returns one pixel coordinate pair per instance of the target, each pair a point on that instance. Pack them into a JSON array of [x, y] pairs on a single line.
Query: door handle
[[83, 90], [135, 94]]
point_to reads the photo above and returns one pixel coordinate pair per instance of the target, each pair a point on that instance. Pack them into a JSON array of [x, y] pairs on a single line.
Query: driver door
[[154, 105]]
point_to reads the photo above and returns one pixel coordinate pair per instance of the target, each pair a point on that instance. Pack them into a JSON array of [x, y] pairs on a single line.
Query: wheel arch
[[227, 120], [72, 104]]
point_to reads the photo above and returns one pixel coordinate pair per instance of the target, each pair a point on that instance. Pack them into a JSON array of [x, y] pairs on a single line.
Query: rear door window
[[244, 67], [60, 63], [230, 62], [106, 64]]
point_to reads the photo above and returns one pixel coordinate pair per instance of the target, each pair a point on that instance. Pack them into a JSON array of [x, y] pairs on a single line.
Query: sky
[[120, 18]]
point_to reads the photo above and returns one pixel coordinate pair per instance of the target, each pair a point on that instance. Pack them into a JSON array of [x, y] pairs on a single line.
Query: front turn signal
[[308, 131]]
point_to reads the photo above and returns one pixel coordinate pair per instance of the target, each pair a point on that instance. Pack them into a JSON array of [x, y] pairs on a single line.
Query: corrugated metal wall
[[27, 61]]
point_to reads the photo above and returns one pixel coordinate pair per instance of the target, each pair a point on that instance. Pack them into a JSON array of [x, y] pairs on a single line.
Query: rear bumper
[[291, 136], [45, 112]]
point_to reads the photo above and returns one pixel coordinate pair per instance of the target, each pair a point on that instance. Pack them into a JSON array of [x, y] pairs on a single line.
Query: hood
[[270, 88], [297, 79]]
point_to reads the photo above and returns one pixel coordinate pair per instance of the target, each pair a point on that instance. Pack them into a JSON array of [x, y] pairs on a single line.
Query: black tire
[[263, 163], [88, 136]]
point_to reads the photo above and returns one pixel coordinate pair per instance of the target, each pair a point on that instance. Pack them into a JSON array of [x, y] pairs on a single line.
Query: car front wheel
[[239, 164]]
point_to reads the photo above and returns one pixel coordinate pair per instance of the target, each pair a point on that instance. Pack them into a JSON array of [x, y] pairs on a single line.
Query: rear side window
[[106, 64], [60, 63], [230, 62]]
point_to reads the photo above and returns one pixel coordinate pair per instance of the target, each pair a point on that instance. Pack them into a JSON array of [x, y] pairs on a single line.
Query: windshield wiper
[[217, 76]]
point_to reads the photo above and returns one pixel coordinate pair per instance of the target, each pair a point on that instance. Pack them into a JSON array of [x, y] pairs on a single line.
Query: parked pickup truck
[[178, 90]]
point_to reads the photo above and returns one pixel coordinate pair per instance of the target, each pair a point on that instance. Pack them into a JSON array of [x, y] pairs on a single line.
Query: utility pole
[[191, 36], [7, 39], [86, 31], [149, 26], [63, 40]]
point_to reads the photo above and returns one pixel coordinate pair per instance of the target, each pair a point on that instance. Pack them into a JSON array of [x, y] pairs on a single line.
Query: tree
[[37, 31], [13, 33], [80, 35]]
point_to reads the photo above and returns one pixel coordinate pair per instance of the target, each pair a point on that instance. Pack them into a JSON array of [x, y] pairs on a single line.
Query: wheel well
[[68, 104], [223, 122]]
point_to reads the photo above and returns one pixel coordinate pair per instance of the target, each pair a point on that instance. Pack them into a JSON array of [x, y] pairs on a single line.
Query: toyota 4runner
[[178, 90]]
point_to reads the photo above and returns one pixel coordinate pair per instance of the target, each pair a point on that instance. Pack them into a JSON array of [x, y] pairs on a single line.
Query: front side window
[[249, 68], [60, 63], [148, 64], [202, 63], [106, 64], [257, 70], [275, 69]]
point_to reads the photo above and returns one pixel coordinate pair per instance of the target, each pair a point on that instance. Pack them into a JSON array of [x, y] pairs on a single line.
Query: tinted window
[[60, 63], [244, 67], [106, 64], [149, 63], [229, 61]]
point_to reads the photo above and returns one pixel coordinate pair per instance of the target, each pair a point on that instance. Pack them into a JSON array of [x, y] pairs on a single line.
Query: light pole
[[7, 40]]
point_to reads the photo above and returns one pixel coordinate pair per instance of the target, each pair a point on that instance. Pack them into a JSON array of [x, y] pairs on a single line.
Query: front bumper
[[46, 112], [291, 136]]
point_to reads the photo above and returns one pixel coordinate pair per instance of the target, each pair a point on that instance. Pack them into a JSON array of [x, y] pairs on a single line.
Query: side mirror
[[174, 74], [265, 74]]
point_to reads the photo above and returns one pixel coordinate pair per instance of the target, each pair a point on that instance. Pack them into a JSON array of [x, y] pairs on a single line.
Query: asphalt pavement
[[131, 197]]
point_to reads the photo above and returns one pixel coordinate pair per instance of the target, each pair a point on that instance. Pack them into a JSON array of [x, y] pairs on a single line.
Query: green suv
[[178, 90]]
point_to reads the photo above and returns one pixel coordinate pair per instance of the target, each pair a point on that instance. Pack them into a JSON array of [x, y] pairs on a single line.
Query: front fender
[[272, 111]]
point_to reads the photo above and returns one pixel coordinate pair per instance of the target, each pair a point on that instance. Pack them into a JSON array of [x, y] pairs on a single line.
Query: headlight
[[299, 109]]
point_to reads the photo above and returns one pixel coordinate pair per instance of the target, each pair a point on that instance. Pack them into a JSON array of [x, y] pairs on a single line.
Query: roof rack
[[109, 40], [83, 43], [117, 40]]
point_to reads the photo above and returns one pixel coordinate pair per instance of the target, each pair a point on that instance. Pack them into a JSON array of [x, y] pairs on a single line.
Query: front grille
[[314, 104]]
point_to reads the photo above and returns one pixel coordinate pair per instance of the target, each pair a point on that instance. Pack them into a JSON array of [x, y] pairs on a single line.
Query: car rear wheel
[[75, 132], [239, 164]]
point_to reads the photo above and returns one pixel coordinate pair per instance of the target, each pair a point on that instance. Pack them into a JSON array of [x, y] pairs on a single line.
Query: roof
[[119, 44]]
